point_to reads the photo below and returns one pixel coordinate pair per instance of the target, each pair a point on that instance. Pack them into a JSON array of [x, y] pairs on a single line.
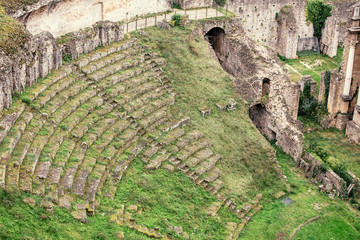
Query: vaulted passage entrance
[[261, 119], [216, 37]]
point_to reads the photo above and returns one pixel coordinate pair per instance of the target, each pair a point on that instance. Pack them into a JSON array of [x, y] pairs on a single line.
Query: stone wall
[[186, 4], [250, 64], [42, 54], [308, 44], [334, 33], [330, 181], [68, 16], [37, 58], [260, 22]]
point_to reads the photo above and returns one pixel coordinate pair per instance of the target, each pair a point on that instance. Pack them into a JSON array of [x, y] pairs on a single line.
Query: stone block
[[205, 111], [80, 215], [231, 105], [169, 167], [29, 201], [353, 132]]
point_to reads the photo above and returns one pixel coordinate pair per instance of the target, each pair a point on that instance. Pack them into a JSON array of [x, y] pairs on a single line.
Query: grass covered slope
[[247, 165], [336, 219], [12, 5], [12, 33]]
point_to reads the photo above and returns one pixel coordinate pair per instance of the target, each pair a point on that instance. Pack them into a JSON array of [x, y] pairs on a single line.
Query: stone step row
[[39, 140], [19, 128], [52, 108], [125, 218], [84, 173], [22, 108], [95, 152], [110, 59], [105, 51], [32, 118], [130, 62]]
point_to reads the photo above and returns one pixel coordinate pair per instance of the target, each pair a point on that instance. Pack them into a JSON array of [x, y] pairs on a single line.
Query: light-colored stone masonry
[[69, 16]]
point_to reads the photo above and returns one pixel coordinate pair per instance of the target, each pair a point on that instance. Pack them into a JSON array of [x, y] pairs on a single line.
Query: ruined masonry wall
[[259, 18], [70, 16], [42, 54]]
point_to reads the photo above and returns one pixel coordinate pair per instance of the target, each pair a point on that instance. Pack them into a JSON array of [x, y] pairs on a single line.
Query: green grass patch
[[336, 143], [200, 80], [314, 65], [337, 220]]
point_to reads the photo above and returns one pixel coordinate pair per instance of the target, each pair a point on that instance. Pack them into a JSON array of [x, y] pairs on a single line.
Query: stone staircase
[[77, 131]]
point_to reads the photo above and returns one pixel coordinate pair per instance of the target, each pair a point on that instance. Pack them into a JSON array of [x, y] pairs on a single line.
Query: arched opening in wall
[[265, 87], [97, 11], [216, 38], [261, 119]]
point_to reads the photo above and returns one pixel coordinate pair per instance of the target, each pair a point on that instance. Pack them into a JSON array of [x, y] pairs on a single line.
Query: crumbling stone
[[232, 105], [48, 206], [29, 201], [80, 215], [169, 167], [163, 24], [120, 235], [205, 111]]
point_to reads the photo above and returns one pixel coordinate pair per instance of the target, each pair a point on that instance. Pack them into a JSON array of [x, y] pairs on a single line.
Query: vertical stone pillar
[[356, 117], [349, 71]]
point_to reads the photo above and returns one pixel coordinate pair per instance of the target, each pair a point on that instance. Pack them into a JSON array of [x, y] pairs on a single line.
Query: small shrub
[[309, 106], [176, 5], [220, 2], [63, 126], [67, 58], [317, 12], [25, 99], [175, 20]]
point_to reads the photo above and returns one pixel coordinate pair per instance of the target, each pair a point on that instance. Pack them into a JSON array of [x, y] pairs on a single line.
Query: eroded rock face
[[41, 54], [37, 58], [274, 110]]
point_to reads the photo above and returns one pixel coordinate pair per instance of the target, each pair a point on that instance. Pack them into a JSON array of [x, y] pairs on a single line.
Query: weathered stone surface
[[29, 201], [232, 105], [169, 167], [214, 208], [163, 24], [65, 202], [2, 175], [353, 131], [48, 206], [205, 111], [80, 215], [120, 235]]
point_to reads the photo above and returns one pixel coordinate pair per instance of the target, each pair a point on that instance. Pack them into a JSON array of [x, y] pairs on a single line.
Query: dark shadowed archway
[[261, 119], [216, 37], [265, 87]]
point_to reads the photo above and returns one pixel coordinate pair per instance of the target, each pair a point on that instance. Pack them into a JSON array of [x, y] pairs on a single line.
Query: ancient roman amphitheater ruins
[[77, 138]]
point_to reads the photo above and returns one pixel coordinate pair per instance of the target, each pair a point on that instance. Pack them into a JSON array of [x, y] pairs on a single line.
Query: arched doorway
[[216, 37], [261, 119], [265, 87]]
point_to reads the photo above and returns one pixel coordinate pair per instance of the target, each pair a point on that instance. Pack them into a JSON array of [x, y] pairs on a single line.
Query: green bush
[[220, 2], [176, 5], [317, 12], [176, 19], [309, 107], [67, 58]]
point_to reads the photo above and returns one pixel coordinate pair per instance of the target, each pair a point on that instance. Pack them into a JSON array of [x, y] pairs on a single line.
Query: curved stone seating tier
[[84, 125]]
